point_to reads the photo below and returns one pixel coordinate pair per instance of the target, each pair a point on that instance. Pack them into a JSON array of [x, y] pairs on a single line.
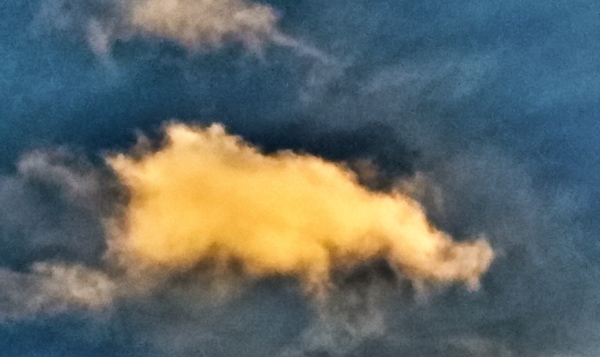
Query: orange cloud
[[209, 195]]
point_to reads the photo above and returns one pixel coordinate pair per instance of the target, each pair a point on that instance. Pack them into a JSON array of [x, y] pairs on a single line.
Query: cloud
[[197, 25], [54, 206], [208, 195], [73, 285], [203, 203], [205, 23], [51, 229], [53, 288], [344, 314], [52, 168]]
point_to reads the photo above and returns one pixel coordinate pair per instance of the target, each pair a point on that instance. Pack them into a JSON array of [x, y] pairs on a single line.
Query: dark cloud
[[53, 209]]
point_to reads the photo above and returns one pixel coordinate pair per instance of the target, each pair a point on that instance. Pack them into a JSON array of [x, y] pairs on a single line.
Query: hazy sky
[[485, 112]]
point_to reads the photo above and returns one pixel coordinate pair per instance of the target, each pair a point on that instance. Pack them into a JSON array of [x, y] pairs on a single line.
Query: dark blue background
[[496, 103]]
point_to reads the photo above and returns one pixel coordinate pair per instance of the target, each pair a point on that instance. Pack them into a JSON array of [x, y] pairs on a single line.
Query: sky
[[299, 178]]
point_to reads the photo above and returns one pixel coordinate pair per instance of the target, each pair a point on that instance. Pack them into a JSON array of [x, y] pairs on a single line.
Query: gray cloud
[[54, 209], [51, 289]]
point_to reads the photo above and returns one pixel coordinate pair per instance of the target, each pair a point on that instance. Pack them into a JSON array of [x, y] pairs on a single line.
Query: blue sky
[[492, 105]]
